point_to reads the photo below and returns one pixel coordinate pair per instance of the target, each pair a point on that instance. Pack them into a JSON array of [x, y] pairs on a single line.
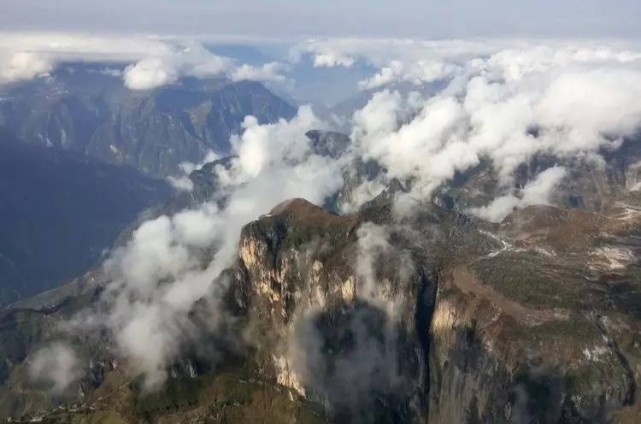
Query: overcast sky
[[300, 18]]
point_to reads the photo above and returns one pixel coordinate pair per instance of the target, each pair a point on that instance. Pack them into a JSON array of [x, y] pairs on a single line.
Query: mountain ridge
[[154, 131]]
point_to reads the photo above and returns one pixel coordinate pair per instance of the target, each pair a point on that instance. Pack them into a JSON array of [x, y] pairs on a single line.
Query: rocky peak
[[318, 324], [435, 316]]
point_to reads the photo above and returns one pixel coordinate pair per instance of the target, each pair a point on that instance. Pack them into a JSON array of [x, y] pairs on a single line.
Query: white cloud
[[261, 146], [151, 61], [563, 100], [149, 73], [269, 72], [372, 245], [382, 52], [182, 182], [329, 60], [537, 192], [171, 262], [501, 103], [190, 59], [422, 72], [386, 75], [55, 365], [23, 66]]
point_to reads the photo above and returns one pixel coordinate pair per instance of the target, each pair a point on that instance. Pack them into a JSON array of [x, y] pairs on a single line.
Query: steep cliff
[[516, 324], [386, 317]]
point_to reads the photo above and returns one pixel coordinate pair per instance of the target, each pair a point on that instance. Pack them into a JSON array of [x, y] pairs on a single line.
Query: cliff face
[[385, 317], [436, 316], [319, 325]]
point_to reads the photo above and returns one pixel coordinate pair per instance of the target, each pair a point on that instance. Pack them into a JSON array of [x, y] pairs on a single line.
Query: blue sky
[[297, 18]]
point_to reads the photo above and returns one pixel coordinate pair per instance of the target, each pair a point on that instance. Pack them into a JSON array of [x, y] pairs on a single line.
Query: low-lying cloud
[[507, 108], [56, 366], [537, 192], [173, 262], [496, 105]]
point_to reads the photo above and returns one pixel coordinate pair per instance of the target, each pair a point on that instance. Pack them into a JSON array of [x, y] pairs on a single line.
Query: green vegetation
[[532, 280]]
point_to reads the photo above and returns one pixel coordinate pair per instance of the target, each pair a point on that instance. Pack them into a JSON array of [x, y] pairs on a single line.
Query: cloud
[[507, 107], [537, 192], [23, 66], [182, 182], [422, 72], [372, 244], [27, 55], [329, 60], [55, 365], [390, 52], [173, 262], [150, 61], [262, 146], [351, 378], [149, 73], [269, 72], [189, 60]]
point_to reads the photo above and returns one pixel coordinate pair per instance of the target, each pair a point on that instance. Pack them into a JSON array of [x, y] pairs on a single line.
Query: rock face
[[320, 328], [85, 111], [378, 316], [532, 332], [515, 323]]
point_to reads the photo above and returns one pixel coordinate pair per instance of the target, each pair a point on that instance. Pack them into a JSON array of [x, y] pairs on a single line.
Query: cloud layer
[[149, 62], [498, 104], [56, 366], [505, 107], [173, 262]]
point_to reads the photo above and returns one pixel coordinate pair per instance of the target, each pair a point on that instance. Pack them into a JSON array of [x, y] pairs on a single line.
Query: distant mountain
[[346, 107], [59, 211], [86, 109]]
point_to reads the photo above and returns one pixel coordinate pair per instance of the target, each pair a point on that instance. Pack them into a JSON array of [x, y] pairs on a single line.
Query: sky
[[296, 18]]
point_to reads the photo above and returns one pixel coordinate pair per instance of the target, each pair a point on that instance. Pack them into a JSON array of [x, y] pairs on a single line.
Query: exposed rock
[[430, 317]]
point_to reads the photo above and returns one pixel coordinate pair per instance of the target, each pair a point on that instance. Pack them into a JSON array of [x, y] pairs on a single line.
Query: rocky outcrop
[[511, 319], [430, 316], [318, 324]]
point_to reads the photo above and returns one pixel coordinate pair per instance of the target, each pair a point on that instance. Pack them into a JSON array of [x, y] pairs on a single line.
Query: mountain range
[[476, 303], [82, 157], [532, 319], [86, 109]]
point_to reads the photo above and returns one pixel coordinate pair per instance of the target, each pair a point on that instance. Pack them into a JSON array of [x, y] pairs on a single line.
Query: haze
[[292, 18]]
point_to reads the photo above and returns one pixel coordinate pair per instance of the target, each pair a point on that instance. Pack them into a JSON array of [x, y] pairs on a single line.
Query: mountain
[[86, 109], [469, 322], [59, 211], [371, 317]]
